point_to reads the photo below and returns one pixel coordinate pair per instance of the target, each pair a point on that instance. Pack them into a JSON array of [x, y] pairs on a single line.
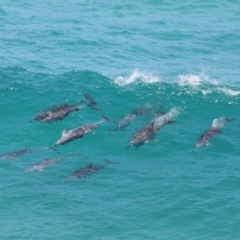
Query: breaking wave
[[195, 83], [190, 83], [136, 76], [196, 80]]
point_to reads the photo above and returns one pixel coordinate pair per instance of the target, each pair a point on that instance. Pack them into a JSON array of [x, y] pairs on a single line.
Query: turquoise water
[[181, 57]]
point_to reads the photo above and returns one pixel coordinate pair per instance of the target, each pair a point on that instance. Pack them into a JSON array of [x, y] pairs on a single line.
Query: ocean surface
[[175, 57]]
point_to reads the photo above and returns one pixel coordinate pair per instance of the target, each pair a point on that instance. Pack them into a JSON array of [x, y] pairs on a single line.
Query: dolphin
[[215, 129], [57, 112], [78, 132], [127, 120], [89, 170], [16, 154], [21, 152], [43, 164], [143, 136], [147, 133]]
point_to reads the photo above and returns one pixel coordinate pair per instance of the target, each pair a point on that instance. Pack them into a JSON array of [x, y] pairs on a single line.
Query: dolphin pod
[[58, 112]]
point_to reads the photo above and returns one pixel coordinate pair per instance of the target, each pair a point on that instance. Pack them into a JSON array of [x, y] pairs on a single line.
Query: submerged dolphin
[[89, 170], [125, 121], [43, 164], [21, 152], [18, 153], [55, 113], [215, 129], [78, 132]]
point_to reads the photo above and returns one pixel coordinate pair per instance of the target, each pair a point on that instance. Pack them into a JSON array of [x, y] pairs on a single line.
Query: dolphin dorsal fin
[[152, 125], [64, 132]]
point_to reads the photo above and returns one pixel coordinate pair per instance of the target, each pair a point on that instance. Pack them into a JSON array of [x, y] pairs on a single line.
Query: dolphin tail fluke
[[110, 162], [73, 154], [225, 120], [230, 119], [53, 148], [87, 96], [105, 119]]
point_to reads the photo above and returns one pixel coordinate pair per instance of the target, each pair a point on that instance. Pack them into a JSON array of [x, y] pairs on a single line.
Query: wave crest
[[194, 80], [136, 76], [195, 83], [229, 92]]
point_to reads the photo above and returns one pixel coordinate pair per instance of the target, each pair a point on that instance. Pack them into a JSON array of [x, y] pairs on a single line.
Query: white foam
[[196, 80], [205, 92], [202, 83], [160, 120], [219, 122], [136, 76], [229, 92], [174, 112], [192, 80]]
